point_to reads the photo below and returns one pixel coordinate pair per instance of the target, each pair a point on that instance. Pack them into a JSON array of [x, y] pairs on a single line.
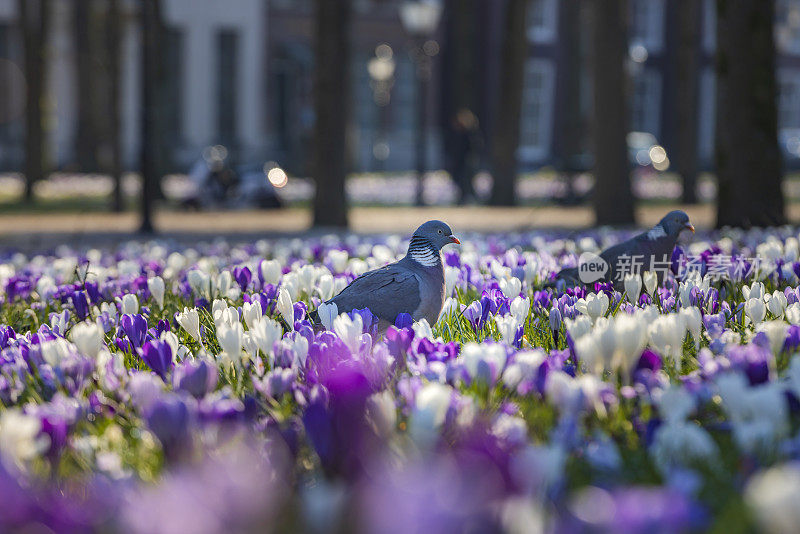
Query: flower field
[[157, 388]]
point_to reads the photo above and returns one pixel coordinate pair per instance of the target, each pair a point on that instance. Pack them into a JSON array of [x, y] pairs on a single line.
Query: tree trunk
[[151, 82], [748, 158], [331, 97], [35, 22], [85, 138], [570, 142], [114, 29], [686, 108], [613, 198], [506, 129]]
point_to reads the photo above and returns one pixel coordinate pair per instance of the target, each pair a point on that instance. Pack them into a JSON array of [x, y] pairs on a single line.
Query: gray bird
[[412, 285], [649, 250]]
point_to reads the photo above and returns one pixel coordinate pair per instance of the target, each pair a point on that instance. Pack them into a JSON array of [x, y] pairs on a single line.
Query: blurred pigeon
[[412, 285], [651, 250]]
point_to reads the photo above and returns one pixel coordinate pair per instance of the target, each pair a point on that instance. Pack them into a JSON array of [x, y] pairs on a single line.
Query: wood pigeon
[[651, 250], [412, 285]]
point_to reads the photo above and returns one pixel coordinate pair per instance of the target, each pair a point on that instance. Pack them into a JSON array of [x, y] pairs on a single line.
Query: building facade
[[240, 73]]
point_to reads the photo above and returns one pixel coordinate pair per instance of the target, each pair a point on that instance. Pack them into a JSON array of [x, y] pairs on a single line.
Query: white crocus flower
[[578, 327], [520, 308], [266, 332], [55, 351], [157, 289], [693, 321], [172, 340], [88, 338], [507, 325], [630, 333], [759, 414], [776, 303], [774, 497], [200, 282], [682, 444], [422, 328], [271, 271], [473, 354], [633, 286], [251, 312], [285, 307], [510, 286], [230, 340], [451, 275], [776, 333], [450, 306], [189, 319], [793, 313], [594, 305], [20, 438], [338, 260], [754, 291], [325, 286], [430, 410], [349, 330], [667, 333], [327, 312], [755, 310], [129, 304], [382, 412], [650, 280]]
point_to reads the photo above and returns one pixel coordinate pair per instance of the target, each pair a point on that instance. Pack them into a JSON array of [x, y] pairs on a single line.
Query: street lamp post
[[381, 71], [420, 18]]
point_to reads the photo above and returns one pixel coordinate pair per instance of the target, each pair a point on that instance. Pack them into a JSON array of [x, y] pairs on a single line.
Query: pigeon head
[[675, 222], [436, 233], [427, 242]]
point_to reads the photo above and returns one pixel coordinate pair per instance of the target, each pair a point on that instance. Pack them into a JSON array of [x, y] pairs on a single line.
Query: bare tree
[[613, 198], [505, 139], [35, 24], [686, 107], [748, 158], [331, 96], [113, 37], [85, 134], [570, 143], [151, 98]]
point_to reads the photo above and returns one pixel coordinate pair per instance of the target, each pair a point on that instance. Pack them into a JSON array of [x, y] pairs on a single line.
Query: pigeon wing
[[387, 292]]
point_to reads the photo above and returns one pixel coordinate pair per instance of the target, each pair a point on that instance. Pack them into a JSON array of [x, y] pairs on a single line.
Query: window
[[647, 24], [787, 26], [646, 102], [227, 83], [537, 105], [173, 85], [707, 114], [789, 101], [542, 20], [709, 25]]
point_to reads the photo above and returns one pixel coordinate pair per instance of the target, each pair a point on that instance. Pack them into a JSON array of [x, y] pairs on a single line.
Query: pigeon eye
[[440, 231]]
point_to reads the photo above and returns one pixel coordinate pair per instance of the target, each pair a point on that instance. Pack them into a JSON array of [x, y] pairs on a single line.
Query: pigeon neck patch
[[656, 232], [423, 252]]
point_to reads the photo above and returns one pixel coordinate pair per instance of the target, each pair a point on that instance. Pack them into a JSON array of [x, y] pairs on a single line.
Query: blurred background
[[159, 108]]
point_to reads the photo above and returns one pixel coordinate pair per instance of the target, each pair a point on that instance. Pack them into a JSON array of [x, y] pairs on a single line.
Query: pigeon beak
[[454, 239], [689, 227]]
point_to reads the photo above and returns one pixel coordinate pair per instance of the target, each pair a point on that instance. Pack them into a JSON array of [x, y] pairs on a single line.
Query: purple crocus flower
[[243, 276], [168, 418], [474, 314], [197, 378], [403, 320], [135, 327], [80, 304], [157, 355]]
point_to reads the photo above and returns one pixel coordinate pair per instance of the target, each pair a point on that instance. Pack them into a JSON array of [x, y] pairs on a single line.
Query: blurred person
[[467, 144]]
